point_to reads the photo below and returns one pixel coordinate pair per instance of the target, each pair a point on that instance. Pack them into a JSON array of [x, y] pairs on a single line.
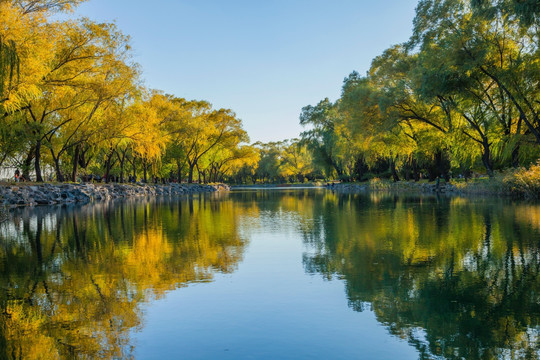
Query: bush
[[524, 182]]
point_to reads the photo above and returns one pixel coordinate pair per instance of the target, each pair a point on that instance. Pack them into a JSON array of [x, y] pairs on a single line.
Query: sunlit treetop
[[52, 6]]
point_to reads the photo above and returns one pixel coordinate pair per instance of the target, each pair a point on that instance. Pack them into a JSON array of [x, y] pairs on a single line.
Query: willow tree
[[297, 162], [490, 45], [226, 156], [269, 164], [175, 114], [204, 130], [327, 137], [26, 40], [527, 11], [10, 132], [143, 133], [110, 79], [24, 49], [240, 165], [376, 135], [244, 170], [88, 70]]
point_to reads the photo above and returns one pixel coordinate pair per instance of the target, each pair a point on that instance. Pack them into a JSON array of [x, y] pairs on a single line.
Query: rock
[[46, 194], [43, 201]]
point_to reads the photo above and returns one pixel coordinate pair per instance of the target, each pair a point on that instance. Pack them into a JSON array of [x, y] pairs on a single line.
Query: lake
[[273, 274]]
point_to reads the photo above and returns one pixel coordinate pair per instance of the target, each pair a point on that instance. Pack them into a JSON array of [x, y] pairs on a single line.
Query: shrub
[[524, 182]]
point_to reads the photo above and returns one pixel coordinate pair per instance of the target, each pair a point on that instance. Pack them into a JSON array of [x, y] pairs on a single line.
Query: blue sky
[[265, 60]]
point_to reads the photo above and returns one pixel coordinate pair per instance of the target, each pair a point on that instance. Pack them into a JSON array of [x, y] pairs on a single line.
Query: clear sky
[[264, 59]]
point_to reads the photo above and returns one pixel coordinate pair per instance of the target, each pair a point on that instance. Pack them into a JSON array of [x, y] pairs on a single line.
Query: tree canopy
[[461, 95], [72, 106]]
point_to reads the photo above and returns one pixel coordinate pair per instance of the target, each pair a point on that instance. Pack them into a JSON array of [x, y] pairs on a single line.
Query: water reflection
[[456, 278], [72, 279]]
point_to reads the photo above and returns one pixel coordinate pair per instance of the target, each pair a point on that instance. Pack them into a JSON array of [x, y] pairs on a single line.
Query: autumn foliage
[[72, 105]]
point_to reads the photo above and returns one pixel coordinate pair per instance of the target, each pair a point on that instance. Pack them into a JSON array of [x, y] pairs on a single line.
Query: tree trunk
[[122, 171], [198, 173], [37, 160], [515, 152], [416, 172], [515, 157], [204, 176], [75, 163], [179, 171], [107, 168], [339, 171], [486, 158], [134, 163], [395, 175], [122, 161], [59, 175], [190, 176], [145, 175], [27, 164]]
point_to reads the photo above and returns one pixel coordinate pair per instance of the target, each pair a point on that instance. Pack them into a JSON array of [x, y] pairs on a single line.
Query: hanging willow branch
[[9, 64]]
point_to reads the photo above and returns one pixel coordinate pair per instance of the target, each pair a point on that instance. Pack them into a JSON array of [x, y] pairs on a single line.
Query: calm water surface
[[289, 274]]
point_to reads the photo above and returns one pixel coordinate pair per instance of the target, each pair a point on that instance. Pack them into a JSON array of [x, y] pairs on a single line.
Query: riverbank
[[517, 187], [274, 186], [400, 186], [51, 194], [520, 183]]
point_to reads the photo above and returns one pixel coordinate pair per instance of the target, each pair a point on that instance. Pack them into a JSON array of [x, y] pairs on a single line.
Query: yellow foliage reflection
[[77, 278]]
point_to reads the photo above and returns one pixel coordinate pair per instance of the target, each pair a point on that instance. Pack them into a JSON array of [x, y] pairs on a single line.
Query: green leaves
[[466, 84]]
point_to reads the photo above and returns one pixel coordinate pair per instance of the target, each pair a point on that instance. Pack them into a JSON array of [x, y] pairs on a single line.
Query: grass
[[484, 185]]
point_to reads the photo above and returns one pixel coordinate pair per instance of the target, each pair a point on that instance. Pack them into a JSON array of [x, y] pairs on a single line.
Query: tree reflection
[[456, 278], [73, 279]]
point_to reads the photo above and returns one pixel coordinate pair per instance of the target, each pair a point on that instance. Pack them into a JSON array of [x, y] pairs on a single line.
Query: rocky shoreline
[[51, 194]]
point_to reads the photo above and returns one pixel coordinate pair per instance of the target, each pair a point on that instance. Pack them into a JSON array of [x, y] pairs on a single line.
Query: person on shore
[[17, 175]]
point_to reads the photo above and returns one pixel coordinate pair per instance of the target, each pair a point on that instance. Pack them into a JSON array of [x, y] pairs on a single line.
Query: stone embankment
[[50, 194], [398, 187]]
